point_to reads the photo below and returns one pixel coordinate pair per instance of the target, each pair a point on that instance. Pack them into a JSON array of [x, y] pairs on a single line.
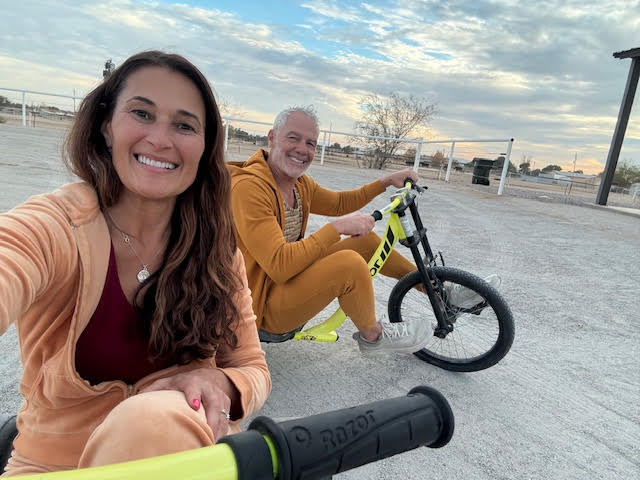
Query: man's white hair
[[308, 110]]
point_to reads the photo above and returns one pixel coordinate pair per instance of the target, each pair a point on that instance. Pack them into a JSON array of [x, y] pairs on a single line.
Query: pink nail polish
[[196, 403]]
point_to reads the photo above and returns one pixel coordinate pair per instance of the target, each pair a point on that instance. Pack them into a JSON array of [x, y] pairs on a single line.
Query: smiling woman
[[156, 141], [127, 289]]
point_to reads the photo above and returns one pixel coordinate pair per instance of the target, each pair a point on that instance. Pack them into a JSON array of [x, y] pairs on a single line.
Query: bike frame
[[192, 464], [398, 229]]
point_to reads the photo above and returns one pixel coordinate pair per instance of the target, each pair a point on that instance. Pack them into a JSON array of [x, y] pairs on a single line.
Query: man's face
[[292, 146]]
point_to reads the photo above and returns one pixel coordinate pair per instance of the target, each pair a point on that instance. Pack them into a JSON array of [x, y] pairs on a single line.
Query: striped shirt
[[293, 219]]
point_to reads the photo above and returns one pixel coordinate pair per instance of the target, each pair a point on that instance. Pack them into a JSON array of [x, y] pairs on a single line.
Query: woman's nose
[[159, 135]]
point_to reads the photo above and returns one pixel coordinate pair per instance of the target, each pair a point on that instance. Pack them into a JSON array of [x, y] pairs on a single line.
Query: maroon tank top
[[114, 346]]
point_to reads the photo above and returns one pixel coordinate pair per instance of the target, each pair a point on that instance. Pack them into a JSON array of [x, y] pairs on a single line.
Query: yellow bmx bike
[[470, 336]]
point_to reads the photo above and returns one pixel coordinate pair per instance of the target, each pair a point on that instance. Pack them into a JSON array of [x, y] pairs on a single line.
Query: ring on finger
[[226, 414]]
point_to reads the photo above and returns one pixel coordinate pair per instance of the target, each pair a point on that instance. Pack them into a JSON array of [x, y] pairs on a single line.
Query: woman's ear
[[106, 133]]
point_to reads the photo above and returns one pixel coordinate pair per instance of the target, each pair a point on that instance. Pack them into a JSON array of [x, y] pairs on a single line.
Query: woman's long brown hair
[[189, 303]]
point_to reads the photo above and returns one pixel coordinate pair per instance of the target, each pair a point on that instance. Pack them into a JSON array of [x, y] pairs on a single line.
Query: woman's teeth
[[153, 163]]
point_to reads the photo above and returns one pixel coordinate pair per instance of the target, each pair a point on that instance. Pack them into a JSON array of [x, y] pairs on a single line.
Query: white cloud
[[542, 73], [333, 10]]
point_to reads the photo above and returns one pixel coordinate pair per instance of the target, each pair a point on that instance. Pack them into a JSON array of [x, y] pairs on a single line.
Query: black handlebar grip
[[377, 215], [323, 445], [410, 180]]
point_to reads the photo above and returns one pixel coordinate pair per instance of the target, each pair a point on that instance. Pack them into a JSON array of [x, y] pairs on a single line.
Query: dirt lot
[[563, 404]]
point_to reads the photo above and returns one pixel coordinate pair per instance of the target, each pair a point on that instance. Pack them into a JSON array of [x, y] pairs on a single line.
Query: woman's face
[[157, 133]]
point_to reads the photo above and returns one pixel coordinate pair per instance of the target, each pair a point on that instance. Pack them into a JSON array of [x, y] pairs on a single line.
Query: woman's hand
[[397, 178], [208, 388]]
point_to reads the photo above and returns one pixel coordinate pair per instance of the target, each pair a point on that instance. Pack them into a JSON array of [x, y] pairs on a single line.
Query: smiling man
[[292, 278]]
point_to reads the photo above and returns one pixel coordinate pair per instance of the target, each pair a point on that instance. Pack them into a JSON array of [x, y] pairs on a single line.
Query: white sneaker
[[401, 337], [463, 297]]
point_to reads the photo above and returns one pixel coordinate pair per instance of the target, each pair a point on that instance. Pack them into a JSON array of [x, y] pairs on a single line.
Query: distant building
[[565, 178], [562, 178]]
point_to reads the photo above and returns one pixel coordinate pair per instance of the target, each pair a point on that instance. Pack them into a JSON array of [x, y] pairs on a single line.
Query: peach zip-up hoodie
[[54, 253], [258, 210]]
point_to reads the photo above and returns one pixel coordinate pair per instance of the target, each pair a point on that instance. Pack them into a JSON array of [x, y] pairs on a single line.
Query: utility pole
[[574, 161], [621, 125]]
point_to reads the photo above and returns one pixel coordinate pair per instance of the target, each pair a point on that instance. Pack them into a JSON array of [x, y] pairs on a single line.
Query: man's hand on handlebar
[[397, 178]]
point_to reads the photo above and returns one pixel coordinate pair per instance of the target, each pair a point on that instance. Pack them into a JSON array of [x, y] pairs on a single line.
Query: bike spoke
[[475, 330]]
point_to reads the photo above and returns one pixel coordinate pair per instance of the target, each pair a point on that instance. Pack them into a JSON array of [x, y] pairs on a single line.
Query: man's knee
[[350, 264]]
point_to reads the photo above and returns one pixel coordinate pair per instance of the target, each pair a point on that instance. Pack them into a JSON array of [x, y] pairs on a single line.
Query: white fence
[[452, 146], [466, 149], [62, 109]]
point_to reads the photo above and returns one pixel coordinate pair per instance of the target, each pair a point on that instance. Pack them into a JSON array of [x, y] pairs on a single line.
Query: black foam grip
[[253, 457], [377, 215], [326, 444]]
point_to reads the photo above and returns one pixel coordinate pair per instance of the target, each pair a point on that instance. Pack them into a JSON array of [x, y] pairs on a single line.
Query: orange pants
[[343, 274], [145, 425]]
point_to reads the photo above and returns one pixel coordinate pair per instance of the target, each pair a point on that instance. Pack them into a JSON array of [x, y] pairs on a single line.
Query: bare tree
[[392, 117], [439, 159], [525, 168], [228, 108]]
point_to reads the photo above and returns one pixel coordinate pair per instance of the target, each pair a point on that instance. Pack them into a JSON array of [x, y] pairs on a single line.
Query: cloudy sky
[[541, 72]]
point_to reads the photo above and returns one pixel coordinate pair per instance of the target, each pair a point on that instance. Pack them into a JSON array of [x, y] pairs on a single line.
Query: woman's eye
[[142, 114], [186, 127]]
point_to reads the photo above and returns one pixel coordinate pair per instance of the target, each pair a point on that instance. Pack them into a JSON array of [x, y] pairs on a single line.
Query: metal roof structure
[[621, 125]]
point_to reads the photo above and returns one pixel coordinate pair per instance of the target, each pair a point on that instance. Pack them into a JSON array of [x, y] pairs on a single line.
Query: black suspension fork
[[419, 236], [417, 220]]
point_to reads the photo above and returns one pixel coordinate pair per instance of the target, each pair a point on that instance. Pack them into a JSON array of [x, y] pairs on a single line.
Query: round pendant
[[143, 274]]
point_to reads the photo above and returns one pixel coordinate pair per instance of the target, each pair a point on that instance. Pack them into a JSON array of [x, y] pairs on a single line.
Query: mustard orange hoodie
[[258, 210]]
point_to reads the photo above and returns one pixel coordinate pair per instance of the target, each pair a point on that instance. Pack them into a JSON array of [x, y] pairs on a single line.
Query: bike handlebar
[[408, 183], [310, 447], [414, 185], [326, 444]]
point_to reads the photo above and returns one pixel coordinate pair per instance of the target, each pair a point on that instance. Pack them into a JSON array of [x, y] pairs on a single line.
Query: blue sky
[[541, 72]]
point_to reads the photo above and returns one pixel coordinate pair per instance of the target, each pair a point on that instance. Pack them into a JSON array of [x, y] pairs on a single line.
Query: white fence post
[[24, 110], [453, 146], [226, 134], [416, 160], [505, 167], [324, 144]]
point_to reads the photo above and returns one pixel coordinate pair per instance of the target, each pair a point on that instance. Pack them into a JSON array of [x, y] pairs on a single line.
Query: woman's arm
[[245, 365], [35, 240]]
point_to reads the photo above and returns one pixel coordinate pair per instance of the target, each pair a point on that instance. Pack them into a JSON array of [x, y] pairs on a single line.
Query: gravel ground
[[563, 404]]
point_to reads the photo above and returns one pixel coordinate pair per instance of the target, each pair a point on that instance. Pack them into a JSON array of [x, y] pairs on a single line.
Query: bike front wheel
[[481, 330]]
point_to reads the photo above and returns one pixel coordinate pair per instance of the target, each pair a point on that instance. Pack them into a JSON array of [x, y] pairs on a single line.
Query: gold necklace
[[144, 273]]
